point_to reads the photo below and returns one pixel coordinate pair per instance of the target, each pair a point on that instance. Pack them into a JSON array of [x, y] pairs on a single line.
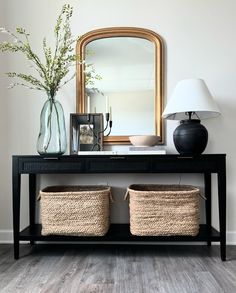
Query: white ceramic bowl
[[144, 140]]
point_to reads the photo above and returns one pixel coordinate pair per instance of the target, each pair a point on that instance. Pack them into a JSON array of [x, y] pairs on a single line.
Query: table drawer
[[118, 164], [51, 167]]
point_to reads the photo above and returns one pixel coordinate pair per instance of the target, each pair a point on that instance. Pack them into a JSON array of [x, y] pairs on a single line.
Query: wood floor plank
[[100, 268], [223, 272], [128, 276], [207, 283], [151, 282], [69, 270], [95, 288], [127, 269]]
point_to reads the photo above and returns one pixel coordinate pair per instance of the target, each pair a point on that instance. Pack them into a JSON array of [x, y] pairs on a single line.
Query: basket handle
[[110, 196], [202, 196], [126, 194]]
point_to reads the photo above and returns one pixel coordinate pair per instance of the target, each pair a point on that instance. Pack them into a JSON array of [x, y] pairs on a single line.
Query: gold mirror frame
[[123, 32]]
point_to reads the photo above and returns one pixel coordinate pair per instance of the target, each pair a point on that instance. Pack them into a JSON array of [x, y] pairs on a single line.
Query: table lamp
[[191, 99]]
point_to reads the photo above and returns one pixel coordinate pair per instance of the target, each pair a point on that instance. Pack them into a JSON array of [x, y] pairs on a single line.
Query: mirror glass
[[122, 75], [123, 81]]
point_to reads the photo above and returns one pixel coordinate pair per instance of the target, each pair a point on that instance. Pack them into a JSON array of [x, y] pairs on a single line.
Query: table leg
[[32, 199], [222, 210], [207, 180], [16, 189]]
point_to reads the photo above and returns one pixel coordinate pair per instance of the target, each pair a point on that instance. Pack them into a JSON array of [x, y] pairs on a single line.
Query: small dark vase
[[190, 137]]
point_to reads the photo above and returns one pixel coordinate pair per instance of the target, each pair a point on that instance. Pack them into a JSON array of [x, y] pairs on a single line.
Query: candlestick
[[110, 115], [96, 133], [107, 105], [88, 104]]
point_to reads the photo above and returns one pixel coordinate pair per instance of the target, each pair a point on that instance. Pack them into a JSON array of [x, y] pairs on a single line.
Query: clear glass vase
[[52, 135]]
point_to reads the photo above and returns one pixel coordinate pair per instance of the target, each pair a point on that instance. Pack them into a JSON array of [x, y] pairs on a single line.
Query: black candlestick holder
[[97, 146]]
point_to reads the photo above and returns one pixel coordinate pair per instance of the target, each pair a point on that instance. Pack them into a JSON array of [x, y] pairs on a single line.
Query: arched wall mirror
[[124, 67]]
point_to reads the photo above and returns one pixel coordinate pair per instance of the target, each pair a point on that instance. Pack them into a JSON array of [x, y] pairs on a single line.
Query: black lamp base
[[190, 137]]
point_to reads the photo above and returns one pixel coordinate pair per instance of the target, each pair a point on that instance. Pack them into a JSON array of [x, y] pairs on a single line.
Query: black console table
[[204, 164]]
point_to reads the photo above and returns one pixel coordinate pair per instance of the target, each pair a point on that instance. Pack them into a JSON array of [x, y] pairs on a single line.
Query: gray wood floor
[[73, 268]]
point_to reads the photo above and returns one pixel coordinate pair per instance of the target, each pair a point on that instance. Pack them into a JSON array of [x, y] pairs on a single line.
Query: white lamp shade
[[191, 95]]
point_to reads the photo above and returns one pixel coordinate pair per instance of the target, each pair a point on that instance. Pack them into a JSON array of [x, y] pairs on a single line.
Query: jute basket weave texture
[[164, 210], [75, 210]]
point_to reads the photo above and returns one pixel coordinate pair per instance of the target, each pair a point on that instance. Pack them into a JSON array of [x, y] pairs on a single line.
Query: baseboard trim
[[6, 236], [231, 238]]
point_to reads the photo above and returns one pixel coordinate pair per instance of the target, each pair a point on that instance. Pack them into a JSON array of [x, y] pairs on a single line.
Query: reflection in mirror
[[124, 77], [126, 69]]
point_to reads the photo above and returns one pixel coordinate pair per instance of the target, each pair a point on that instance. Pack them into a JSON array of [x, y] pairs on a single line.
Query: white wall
[[199, 42]]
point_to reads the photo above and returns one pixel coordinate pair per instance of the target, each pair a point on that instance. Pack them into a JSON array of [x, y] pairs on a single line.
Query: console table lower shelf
[[118, 233], [204, 165]]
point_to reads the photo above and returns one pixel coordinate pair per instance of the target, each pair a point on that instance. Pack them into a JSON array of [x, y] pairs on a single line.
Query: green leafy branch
[[90, 75], [57, 63]]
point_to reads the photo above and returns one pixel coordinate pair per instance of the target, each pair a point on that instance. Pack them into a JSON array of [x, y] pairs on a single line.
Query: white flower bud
[[11, 85], [3, 30]]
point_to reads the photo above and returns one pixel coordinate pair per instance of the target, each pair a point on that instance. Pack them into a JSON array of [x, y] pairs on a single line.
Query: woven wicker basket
[[159, 210], [75, 210]]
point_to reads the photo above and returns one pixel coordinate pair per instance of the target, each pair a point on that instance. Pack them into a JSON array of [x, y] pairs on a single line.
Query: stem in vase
[[49, 125], [59, 130]]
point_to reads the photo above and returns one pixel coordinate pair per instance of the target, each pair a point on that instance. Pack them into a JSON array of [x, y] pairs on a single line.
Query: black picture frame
[[86, 132]]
